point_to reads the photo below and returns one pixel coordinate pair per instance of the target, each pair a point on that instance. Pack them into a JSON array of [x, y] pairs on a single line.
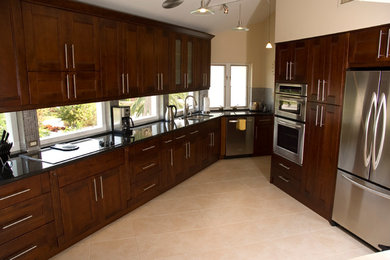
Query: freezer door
[[363, 209], [381, 154], [359, 109]]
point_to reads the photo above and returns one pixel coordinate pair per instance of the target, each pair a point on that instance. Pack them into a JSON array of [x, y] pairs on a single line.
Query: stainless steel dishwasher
[[239, 136]]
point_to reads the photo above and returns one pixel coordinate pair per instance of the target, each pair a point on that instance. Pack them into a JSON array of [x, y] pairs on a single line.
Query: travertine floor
[[227, 211]]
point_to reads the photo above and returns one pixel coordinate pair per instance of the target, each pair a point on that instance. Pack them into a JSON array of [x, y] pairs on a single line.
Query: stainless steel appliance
[[121, 121], [239, 136], [362, 198], [290, 117], [169, 114]]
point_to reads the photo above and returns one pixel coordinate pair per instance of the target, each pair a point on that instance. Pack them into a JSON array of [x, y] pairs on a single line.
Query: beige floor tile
[[76, 252], [115, 250]]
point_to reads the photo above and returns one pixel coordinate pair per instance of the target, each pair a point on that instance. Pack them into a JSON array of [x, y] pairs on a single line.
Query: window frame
[[147, 119], [11, 120], [228, 87]]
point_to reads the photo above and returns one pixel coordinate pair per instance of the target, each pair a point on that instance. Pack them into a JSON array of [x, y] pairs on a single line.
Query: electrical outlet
[[33, 143]]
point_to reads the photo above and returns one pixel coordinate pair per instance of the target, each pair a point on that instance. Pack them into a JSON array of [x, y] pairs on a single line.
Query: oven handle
[[284, 122], [284, 97]]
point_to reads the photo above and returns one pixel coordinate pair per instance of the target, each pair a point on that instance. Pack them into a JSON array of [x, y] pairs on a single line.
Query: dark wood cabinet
[[184, 62], [167, 161], [291, 62], [370, 47], [180, 156], [203, 63], [131, 72], [13, 85], [286, 175], [320, 156], [264, 132], [326, 66]]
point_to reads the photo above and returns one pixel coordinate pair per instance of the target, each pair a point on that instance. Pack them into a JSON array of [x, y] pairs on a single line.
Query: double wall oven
[[290, 117]]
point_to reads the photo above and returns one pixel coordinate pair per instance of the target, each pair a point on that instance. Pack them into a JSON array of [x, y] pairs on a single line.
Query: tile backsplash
[[264, 96]]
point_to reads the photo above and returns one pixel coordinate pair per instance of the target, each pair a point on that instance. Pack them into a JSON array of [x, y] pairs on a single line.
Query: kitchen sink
[[197, 117]]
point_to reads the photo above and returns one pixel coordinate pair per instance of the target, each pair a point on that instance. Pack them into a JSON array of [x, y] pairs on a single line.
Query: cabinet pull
[[380, 44], [316, 115], [94, 186], [67, 86], [180, 137], [291, 64], [213, 135], [167, 141], [17, 222], [158, 81], [66, 56], [148, 148], [74, 86], [194, 132], [323, 90], [388, 44], [171, 157], [123, 83], [318, 89], [186, 150], [189, 150], [162, 81], [73, 61], [101, 187], [149, 187], [23, 253], [15, 194], [283, 179], [127, 83], [284, 166], [287, 70], [322, 116], [185, 80], [148, 166], [211, 139]]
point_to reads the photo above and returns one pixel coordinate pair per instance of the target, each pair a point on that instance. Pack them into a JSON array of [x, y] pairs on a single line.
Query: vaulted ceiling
[[253, 11]]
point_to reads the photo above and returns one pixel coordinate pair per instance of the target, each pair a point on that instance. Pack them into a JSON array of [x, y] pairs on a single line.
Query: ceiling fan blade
[[171, 3]]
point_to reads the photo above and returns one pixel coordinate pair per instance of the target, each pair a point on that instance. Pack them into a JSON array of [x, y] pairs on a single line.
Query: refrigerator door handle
[[373, 104], [364, 187], [382, 107]]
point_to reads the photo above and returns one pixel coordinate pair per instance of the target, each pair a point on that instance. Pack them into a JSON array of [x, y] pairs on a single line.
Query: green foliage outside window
[[3, 123]]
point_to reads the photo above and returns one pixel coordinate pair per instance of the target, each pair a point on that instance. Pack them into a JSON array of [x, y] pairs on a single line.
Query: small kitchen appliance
[[121, 121], [169, 114]]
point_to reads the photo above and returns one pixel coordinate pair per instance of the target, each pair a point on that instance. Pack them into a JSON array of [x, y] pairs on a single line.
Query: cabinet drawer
[[89, 167], [286, 182], [22, 190], [144, 148], [24, 217], [264, 120], [146, 166], [33, 245], [286, 167], [146, 187]]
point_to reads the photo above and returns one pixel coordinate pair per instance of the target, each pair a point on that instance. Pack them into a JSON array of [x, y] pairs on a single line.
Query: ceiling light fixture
[[171, 3], [239, 26], [375, 1], [269, 45], [202, 10], [225, 9]]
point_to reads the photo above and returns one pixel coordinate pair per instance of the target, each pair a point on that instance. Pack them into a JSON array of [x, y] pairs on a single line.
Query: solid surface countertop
[[23, 167]]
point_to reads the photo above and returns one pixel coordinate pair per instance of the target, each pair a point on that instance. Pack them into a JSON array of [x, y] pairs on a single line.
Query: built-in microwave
[[290, 101]]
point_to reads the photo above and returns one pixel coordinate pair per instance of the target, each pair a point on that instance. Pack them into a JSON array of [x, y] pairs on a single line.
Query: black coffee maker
[[121, 121]]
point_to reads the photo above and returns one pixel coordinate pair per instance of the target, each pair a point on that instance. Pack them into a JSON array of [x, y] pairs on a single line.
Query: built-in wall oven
[[290, 117]]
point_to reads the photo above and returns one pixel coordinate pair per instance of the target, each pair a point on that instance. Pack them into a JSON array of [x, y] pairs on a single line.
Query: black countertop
[[23, 167]]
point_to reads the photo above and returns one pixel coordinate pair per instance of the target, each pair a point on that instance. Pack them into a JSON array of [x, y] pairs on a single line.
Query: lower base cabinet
[[264, 132]]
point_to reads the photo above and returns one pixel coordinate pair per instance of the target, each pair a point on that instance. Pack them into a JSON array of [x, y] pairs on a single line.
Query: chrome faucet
[[186, 106]]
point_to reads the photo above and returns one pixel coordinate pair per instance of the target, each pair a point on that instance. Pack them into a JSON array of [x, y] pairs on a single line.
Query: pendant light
[[269, 45], [239, 26], [167, 4], [202, 10]]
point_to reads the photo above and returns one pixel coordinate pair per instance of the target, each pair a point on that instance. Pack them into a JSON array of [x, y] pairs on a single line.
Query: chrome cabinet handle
[[233, 121], [380, 43], [382, 107], [73, 61], [373, 103], [194, 132], [101, 187], [171, 157], [148, 148], [168, 141], [180, 137], [162, 81], [323, 90], [283, 179], [356, 183], [316, 115], [211, 139], [17, 222], [284, 166], [318, 89], [15, 194], [66, 56], [158, 81], [186, 150], [127, 83], [291, 64], [388, 44], [189, 150], [148, 166], [23, 253], [149, 187], [123, 83], [322, 117], [67, 86], [94, 186], [74, 86], [287, 63]]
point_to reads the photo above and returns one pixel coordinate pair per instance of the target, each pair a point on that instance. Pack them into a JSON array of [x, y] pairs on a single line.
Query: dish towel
[[241, 124]]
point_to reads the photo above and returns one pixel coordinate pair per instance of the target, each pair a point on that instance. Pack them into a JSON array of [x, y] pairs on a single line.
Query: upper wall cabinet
[[326, 65], [184, 64], [13, 87], [291, 62], [203, 65], [370, 47]]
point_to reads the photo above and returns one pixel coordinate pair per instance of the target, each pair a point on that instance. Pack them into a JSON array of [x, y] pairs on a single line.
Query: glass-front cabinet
[[184, 62]]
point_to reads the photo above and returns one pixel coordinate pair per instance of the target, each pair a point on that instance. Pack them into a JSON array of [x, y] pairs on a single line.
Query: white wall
[[297, 19], [229, 47]]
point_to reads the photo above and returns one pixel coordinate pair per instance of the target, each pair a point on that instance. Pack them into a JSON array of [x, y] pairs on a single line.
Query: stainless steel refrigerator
[[362, 198]]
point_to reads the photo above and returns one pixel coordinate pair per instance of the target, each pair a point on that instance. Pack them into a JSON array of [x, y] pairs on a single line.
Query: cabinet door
[[179, 64], [180, 158], [335, 63], [84, 49], [46, 38], [263, 135], [299, 62], [49, 87], [283, 57], [148, 61], [79, 207], [111, 58], [131, 61], [189, 61], [111, 193], [168, 162], [193, 149], [13, 87], [85, 85], [163, 54], [316, 66], [205, 55]]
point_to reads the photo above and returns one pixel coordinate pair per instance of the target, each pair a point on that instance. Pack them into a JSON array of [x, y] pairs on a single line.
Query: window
[[143, 109], [229, 86], [8, 122], [178, 99], [61, 123]]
